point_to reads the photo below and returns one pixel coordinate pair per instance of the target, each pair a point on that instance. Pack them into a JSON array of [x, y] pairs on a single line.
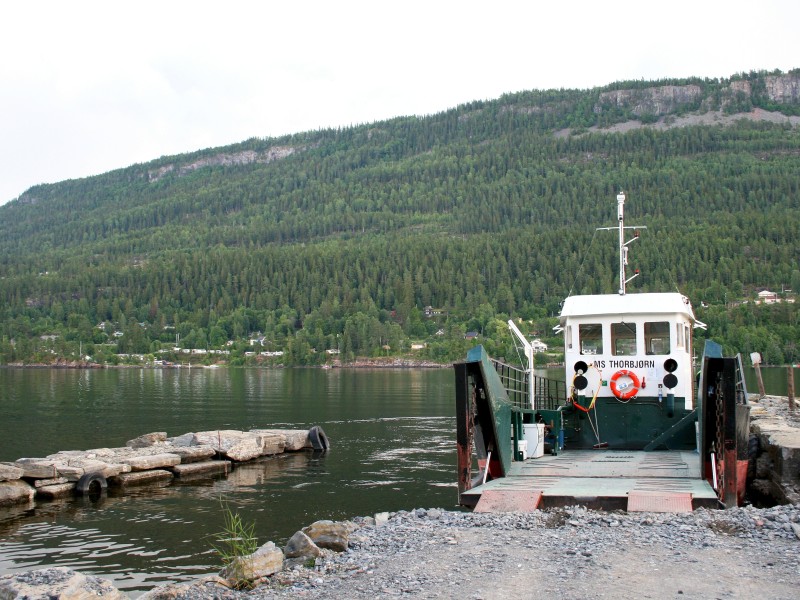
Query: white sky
[[90, 86]]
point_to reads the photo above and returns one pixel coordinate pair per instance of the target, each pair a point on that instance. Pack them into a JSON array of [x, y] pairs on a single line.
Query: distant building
[[767, 297], [471, 335], [538, 346]]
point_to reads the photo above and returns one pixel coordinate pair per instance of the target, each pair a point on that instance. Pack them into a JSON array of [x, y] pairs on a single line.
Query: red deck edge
[[497, 501]]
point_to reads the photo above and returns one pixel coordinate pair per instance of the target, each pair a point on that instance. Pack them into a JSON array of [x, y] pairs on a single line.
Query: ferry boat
[[631, 426]]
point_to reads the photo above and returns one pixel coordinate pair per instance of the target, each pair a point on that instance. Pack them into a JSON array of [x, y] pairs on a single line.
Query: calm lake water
[[393, 447]]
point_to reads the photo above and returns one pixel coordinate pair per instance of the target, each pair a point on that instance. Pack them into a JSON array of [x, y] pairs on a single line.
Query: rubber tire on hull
[[86, 482], [318, 439]]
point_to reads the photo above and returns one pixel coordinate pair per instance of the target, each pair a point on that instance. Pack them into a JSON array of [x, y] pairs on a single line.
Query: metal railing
[[549, 393]]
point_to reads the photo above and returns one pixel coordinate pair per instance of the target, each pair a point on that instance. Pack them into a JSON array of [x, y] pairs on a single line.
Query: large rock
[[15, 492], [57, 582], [264, 562], [293, 439], [301, 546], [9, 471], [148, 439], [239, 445], [330, 534]]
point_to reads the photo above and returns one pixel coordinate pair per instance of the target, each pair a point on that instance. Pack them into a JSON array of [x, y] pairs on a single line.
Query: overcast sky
[[91, 86]]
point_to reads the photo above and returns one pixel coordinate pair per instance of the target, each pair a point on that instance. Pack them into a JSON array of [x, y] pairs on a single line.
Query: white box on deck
[[533, 433], [522, 446]]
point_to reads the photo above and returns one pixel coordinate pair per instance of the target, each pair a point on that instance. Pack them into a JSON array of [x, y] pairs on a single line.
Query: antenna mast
[[623, 245]]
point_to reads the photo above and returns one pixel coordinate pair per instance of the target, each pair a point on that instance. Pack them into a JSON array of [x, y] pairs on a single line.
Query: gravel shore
[[559, 553]]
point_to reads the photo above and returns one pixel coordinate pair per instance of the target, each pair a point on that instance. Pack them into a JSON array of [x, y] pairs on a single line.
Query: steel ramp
[[606, 479]]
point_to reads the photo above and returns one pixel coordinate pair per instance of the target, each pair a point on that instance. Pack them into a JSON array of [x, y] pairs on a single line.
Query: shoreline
[[568, 552]]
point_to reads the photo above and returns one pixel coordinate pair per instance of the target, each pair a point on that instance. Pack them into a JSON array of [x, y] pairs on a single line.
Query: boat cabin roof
[[628, 304]]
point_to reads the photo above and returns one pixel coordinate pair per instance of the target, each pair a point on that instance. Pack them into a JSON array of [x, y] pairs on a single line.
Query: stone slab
[[294, 439], [191, 454], [58, 490], [37, 483], [141, 478], [209, 467], [236, 445], [153, 461], [10, 471], [15, 492], [37, 468]]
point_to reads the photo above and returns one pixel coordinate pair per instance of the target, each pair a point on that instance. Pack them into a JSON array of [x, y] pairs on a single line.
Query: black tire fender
[[91, 482], [318, 439]]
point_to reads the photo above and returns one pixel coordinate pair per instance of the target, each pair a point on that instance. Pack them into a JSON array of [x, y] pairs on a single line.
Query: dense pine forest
[[397, 238]]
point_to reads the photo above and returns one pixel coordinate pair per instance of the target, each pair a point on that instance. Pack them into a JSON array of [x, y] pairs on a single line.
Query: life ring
[[627, 391], [318, 439]]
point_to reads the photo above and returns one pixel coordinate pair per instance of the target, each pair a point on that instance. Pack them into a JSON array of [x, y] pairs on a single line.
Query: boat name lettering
[[631, 364]]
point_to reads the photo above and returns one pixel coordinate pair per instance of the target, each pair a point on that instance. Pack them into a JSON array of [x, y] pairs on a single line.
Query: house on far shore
[[538, 346], [767, 297], [471, 335]]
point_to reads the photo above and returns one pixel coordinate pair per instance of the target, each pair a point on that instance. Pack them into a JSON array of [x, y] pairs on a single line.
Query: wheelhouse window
[[679, 334], [623, 339], [656, 337], [590, 338], [568, 337]]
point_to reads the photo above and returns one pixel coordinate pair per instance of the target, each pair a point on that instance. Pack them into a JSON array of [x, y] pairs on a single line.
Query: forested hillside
[[341, 239]]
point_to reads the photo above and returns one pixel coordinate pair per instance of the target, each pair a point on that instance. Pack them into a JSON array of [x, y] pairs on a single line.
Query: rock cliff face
[[223, 159], [655, 100], [783, 89], [663, 100]]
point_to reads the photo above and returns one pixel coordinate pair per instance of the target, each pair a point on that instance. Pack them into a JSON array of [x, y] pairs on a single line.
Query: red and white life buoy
[[625, 390]]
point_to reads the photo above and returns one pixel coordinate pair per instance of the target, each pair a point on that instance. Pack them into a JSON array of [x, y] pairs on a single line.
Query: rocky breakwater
[[151, 459]]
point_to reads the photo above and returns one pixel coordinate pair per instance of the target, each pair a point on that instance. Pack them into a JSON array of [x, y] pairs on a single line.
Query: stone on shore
[[330, 534], [265, 561], [15, 492], [148, 439], [57, 582], [9, 472], [213, 586], [301, 546]]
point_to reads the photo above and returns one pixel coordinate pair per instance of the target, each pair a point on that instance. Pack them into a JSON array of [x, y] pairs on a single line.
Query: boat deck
[[607, 479]]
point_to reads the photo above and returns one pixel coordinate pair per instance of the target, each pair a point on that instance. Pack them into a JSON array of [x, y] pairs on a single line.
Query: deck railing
[[549, 393]]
